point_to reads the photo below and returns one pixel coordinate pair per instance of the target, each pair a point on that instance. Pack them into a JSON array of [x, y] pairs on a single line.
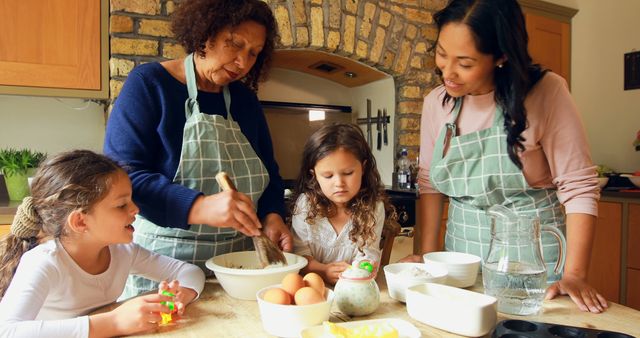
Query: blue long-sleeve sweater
[[144, 133]]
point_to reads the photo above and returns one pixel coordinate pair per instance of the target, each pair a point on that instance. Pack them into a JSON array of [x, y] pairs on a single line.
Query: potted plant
[[16, 166]]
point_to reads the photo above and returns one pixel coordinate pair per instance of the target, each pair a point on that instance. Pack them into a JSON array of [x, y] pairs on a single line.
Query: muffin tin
[[521, 328]]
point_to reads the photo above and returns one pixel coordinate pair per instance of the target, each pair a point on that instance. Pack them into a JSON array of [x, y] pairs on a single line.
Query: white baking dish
[[452, 309]]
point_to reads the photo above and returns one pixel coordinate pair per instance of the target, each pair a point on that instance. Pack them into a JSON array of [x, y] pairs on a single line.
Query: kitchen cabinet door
[[53, 44], [604, 267], [633, 289], [4, 229], [633, 236], [550, 43]]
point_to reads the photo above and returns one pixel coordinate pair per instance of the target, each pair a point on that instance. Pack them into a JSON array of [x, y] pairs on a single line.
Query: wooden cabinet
[[633, 288], [549, 29], [604, 266], [633, 237], [550, 43], [54, 47], [633, 257], [4, 229], [614, 268]]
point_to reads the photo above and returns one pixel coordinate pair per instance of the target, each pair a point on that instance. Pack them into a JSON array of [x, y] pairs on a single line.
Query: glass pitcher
[[514, 271]]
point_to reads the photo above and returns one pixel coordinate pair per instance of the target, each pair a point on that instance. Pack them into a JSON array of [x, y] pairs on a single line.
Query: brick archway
[[392, 36]]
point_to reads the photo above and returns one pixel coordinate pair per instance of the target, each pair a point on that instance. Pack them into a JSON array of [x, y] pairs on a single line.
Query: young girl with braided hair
[[70, 252]]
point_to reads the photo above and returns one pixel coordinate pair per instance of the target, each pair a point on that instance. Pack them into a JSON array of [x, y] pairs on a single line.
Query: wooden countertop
[[217, 314]]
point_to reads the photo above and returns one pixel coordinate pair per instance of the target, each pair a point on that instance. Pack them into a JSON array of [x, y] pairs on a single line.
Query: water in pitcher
[[519, 288]]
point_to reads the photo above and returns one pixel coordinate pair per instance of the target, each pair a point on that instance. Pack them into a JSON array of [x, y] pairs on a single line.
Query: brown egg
[[277, 296], [314, 280], [292, 283], [308, 295]]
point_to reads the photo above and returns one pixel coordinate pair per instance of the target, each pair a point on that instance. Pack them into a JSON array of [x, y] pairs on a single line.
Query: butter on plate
[[375, 330], [363, 328]]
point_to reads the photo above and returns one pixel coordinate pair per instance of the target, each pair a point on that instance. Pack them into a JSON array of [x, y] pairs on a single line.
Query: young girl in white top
[[82, 202], [340, 203]]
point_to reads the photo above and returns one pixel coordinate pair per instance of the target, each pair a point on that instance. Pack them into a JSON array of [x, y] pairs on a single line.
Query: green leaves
[[14, 161], [604, 171]]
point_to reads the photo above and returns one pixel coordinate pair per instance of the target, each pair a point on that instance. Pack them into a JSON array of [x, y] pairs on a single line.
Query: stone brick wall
[[393, 36]]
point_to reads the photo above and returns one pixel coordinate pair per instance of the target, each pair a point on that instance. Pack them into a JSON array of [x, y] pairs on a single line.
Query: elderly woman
[[177, 123]]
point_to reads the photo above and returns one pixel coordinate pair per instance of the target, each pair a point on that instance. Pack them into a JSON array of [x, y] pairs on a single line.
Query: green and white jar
[[356, 292]]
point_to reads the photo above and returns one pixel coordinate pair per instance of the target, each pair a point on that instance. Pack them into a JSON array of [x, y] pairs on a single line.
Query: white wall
[[602, 32], [292, 86], [382, 95], [50, 125]]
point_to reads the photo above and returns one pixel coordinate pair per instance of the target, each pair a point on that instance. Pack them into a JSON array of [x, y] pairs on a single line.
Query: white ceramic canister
[[356, 292]]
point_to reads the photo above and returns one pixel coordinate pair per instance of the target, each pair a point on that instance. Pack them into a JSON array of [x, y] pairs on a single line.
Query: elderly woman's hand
[[278, 232], [226, 209]]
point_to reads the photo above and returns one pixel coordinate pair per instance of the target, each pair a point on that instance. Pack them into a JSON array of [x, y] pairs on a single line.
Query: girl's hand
[[586, 297], [412, 259], [278, 232], [183, 296], [226, 209], [139, 314], [333, 271]]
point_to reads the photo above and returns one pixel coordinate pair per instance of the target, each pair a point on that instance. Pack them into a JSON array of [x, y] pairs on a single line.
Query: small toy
[[166, 317], [366, 266]]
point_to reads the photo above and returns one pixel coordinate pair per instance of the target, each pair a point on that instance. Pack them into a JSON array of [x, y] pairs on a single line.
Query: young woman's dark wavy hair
[[362, 206], [195, 21], [499, 29]]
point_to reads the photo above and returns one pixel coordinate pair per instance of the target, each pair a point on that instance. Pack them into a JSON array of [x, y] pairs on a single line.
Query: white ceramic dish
[[602, 181], [634, 179], [462, 268], [239, 277], [397, 281], [452, 309], [288, 320], [405, 329]]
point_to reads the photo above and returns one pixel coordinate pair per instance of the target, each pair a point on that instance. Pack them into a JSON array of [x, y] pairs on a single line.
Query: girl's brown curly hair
[[362, 206], [196, 21]]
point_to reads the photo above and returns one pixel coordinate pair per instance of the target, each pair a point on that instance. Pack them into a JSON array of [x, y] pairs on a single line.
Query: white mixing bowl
[[240, 275], [463, 268]]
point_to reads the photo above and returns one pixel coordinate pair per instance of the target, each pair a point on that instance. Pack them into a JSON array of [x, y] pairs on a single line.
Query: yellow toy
[[166, 317]]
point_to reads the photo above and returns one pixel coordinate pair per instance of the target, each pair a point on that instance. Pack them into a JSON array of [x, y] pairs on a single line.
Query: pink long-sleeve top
[[556, 151]]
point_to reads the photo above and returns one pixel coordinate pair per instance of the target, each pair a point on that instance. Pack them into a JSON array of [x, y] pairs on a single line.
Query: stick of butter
[[378, 330]]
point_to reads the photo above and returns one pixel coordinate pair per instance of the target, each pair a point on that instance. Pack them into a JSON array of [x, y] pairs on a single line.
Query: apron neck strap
[[191, 104], [498, 118], [227, 101]]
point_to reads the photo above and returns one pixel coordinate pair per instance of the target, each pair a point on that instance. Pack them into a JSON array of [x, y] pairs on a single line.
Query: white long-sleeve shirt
[[51, 296], [321, 241]]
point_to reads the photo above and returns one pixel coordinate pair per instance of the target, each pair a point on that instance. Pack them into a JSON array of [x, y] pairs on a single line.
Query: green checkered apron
[[210, 144], [476, 173]]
